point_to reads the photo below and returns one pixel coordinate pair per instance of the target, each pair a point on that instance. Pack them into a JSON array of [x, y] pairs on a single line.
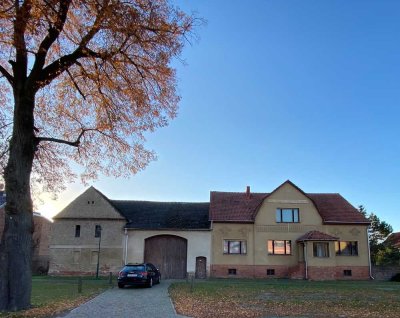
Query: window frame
[[285, 242], [353, 248], [227, 247], [281, 215], [315, 244]]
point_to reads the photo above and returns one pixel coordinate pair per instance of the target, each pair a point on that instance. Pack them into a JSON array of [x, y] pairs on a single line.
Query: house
[[40, 238], [394, 240], [288, 233], [284, 233]]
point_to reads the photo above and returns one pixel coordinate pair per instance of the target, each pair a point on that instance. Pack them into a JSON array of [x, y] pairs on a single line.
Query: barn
[[174, 236]]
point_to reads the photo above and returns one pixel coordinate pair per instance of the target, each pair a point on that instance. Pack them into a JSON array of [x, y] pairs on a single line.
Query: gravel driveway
[[128, 302]]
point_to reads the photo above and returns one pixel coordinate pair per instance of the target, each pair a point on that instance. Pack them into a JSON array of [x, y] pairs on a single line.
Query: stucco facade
[[300, 261], [285, 233]]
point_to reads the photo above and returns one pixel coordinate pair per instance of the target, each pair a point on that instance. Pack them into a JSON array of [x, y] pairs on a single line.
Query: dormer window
[[287, 215]]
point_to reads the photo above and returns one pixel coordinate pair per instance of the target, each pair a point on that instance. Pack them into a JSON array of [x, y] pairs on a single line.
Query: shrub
[[396, 278]]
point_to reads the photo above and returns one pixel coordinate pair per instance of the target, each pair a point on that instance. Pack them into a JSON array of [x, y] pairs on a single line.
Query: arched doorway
[[168, 253], [201, 267]]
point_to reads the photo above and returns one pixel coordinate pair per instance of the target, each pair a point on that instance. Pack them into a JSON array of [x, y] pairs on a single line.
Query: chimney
[[248, 191]]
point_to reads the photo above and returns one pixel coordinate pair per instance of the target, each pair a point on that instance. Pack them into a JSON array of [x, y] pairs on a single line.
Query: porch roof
[[316, 236]]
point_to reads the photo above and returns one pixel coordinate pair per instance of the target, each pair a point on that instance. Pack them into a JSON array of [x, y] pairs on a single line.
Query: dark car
[[139, 274]]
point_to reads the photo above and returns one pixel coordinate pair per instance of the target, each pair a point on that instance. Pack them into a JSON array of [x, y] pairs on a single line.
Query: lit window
[[287, 215], [235, 247], [321, 249], [346, 248], [276, 247]]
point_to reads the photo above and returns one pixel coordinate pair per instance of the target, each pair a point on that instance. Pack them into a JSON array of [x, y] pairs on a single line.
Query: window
[[346, 248], [97, 231], [232, 271], [321, 249], [279, 247], [287, 215], [347, 272], [77, 231], [235, 247], [270, 272]]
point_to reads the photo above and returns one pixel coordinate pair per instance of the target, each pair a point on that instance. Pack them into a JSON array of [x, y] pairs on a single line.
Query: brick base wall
[[296, 272]]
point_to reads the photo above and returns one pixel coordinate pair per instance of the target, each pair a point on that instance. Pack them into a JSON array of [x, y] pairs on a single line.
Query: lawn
[[230, 298], [52, 295]]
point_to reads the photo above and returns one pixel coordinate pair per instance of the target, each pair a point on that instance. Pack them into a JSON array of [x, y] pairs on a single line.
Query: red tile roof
[[394, 239], [243, 207], [316, 236]]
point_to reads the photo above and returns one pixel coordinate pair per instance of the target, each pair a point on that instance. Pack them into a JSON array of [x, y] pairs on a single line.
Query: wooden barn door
[[168, 253]]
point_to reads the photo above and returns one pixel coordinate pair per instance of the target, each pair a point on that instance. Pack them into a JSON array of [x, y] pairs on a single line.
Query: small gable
[[90, 204]]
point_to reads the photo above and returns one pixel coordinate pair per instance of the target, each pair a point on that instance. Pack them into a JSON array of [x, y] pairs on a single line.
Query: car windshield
[[139, 268]]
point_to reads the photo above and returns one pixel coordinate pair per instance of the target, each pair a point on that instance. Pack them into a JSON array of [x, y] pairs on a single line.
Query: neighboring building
[[394, 240], [40, 238], [285, 233]]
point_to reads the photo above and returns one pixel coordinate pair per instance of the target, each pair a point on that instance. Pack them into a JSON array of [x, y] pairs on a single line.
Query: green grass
[[49, 289], [288, 298], [51, 295]]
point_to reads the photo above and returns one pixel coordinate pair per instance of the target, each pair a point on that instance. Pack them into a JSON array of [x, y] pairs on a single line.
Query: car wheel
[[121, 285], [150, 284]]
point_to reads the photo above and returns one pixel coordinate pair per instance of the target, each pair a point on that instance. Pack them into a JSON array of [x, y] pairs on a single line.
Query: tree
[[378, 232], [81, 81]]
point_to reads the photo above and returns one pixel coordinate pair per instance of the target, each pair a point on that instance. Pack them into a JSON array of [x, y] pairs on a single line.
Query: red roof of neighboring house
[[394, 239], [316, 236], [243, 207]]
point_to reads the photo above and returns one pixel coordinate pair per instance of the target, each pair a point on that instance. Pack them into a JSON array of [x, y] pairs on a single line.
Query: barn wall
[[198, 244]]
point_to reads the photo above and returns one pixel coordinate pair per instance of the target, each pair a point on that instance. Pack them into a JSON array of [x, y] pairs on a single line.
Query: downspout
[[305, 258], [254, 250], [369, 256], [126, 246]]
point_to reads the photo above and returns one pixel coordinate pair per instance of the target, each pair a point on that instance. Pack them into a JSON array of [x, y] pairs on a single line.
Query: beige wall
[[69, 254], [266, 228], [198, 244], [90, 204]]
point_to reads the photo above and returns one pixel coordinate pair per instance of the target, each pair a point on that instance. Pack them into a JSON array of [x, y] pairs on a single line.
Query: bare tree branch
[[7, 75], [50, 38]]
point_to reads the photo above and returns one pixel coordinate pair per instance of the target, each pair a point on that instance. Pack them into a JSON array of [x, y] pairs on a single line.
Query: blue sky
[[275, 90]]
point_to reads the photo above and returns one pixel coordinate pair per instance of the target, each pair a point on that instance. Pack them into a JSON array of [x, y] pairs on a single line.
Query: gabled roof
[[394, 239], [164, 215], [243, 207], [316, 236]]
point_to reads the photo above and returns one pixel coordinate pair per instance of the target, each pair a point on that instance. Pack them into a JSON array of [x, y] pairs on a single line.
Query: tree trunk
[[16, 242]]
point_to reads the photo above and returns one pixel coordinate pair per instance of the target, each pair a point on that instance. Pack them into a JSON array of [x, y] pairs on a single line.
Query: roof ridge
[[182, 202]]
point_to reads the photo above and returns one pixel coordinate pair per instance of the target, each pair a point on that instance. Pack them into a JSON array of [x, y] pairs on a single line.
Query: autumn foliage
[[103, 78], [80, 81]]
